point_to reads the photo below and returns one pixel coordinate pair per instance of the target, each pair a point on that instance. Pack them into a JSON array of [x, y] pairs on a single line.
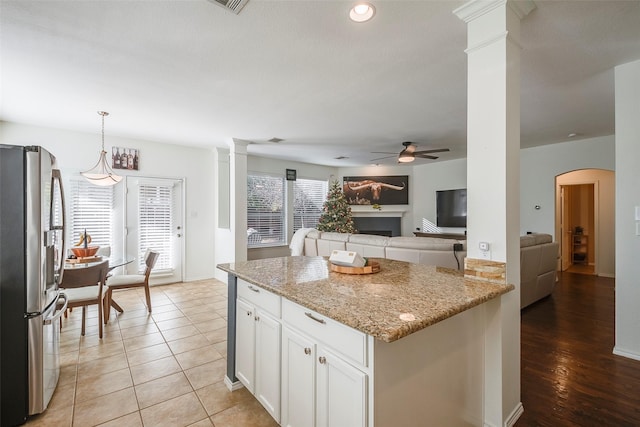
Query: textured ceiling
[[193, 73]]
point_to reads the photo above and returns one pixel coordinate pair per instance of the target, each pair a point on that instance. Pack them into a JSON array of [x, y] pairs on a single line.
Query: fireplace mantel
[[370, 212]]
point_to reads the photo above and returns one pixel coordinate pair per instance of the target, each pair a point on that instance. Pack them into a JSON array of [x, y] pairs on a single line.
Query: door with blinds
[[154, 220]]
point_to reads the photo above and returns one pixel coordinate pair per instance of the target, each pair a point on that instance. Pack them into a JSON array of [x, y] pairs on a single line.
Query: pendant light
[[102, 174]]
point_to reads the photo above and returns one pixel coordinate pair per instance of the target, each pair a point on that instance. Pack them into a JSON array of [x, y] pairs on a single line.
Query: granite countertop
[[401, 299]]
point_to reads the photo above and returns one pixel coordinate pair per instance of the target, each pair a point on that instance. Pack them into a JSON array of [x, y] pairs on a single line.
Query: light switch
[[484, 246]]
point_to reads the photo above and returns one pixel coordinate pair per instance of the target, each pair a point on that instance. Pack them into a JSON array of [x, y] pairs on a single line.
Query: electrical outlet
[[485, 250]]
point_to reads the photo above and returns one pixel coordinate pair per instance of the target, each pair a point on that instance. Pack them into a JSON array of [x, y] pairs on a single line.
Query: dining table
[[114, 262]]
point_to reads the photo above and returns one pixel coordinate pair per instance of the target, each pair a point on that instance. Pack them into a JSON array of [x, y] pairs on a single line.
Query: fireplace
[[379, 225]]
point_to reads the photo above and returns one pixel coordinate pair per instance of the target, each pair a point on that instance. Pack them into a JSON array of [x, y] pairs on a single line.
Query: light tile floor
[[160, 369]]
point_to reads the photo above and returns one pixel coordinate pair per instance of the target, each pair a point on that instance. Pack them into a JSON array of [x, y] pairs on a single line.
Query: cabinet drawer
[[260, 297], [341, 338]]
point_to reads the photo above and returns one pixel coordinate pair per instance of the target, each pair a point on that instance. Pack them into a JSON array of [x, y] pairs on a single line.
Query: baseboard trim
[[511, 419], [607, 275], [232, 386], [619, 352], [514, 415]]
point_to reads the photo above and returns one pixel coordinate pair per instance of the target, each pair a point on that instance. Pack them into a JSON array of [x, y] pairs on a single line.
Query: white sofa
[[538, 255], [420, 250], [538, 267]]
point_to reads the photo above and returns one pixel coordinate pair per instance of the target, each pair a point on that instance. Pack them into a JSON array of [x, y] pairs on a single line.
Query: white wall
[[76, 151], [627, 89], [540, 165], [430, 178]]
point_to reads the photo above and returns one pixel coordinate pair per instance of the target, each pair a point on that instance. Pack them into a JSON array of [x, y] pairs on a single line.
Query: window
[[90, 208], [265, 211], [308, 198], [155, 222]]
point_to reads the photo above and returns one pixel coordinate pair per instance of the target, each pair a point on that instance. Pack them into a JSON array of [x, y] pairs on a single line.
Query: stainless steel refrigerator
[[31, 266]]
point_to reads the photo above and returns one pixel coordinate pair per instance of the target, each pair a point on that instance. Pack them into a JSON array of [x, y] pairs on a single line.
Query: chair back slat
[[85, 276], [150, 261]]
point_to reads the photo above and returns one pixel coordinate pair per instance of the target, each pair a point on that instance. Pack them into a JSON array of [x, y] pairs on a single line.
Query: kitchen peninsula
[[322, 348]]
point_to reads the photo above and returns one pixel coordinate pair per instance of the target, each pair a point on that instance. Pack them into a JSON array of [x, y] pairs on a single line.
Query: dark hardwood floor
[[570, 377]]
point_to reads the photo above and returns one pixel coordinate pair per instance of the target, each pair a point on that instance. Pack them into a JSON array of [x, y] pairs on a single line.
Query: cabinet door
[[342, 392], [268, 363], [298, 380], [245, 344]]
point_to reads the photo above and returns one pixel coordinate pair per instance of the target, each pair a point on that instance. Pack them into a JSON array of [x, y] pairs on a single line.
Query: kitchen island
[[322, 348]]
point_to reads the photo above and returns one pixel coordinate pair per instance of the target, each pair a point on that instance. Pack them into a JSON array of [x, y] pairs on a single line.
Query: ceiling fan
[[409, 153]]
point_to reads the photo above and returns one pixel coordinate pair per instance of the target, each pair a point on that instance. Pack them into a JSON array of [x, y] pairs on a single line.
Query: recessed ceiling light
[[362, 12], [572, 134]]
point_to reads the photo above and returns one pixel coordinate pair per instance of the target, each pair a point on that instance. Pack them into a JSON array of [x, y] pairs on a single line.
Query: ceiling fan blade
[[437, 150], [425, 156], [381, 158], [381, 152]]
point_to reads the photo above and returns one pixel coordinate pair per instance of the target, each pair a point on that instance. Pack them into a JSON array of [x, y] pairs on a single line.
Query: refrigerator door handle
[[58, 313], [57, 176]]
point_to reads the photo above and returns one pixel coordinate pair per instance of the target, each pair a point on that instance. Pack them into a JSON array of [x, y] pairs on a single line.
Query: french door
[[154, 220]]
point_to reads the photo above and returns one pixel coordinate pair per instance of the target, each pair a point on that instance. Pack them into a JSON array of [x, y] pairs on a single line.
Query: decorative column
[[493, 184], [627, 89], [238, 198]]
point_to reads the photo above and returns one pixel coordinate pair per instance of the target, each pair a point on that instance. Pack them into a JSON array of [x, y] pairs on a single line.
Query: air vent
[[234, 6], [276, 140]]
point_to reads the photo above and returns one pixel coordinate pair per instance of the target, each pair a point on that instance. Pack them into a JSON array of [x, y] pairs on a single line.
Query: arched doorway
[[585, 221]]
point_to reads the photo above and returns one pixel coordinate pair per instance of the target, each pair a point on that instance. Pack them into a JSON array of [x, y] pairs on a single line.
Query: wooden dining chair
[[84, 286], [125, 281]]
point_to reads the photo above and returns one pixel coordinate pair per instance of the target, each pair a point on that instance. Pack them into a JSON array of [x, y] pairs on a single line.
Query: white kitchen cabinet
[[258, 345], [268, 363], [245, 344], [298, 379], [320, 386], [341, 392]]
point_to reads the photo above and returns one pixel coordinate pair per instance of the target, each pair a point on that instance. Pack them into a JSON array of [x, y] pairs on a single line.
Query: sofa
[[419, 250], [538, 255], [538, 267]]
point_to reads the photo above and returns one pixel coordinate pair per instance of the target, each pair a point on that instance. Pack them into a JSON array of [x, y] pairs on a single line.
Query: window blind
[[309, 196], [155, 222], [91, 209], [266, 213]]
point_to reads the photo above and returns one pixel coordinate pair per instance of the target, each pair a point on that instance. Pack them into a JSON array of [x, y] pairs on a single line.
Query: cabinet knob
[[257, 318], [248, 313], [322, 360], [251, 288], [307, 350]]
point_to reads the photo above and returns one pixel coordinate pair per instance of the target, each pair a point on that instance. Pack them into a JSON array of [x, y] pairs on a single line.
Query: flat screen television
[[451, 208]]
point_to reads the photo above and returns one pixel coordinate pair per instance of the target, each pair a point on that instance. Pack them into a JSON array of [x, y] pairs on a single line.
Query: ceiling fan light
[[405, 157]]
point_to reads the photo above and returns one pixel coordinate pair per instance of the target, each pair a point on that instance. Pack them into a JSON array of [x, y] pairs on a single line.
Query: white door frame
[[596, 210], [179, 245]]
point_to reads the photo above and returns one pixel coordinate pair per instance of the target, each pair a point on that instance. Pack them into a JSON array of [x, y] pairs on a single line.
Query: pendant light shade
[[102, 174]]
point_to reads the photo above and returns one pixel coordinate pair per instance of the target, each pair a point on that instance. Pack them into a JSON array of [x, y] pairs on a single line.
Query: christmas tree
[[336, 212]]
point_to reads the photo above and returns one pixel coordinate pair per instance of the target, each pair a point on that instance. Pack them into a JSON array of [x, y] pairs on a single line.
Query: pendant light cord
[[103, 113]]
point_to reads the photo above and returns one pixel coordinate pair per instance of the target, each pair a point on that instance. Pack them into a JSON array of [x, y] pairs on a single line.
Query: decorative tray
[[83, 260], [371, 267]]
